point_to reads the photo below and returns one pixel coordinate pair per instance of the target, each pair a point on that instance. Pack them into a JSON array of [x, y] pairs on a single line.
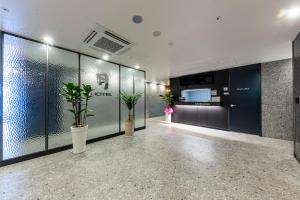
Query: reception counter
[[232, 99], [211, 115]]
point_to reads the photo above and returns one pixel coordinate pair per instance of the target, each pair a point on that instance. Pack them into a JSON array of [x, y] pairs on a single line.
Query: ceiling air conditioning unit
[[106, 41]]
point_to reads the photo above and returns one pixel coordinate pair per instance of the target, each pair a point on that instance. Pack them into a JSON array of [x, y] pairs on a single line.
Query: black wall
[[220, 80]]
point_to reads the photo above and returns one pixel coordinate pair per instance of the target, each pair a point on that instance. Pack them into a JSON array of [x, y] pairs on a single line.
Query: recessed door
[[245, 100]]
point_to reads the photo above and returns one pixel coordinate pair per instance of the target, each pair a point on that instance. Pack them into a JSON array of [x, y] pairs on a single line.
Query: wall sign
[[103, 80], [214, 92], [242, 89]]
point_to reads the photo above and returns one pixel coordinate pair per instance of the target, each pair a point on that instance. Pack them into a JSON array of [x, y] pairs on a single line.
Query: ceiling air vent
[[104, 40]]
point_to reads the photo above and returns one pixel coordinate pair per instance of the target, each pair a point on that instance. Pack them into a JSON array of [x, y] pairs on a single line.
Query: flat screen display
[[196, 95]]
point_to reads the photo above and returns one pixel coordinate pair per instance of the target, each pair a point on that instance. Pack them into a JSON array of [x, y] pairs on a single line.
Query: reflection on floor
[[162, 162]]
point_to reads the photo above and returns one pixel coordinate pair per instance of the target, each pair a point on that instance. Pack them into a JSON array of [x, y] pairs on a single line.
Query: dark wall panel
[[220, 80], [245, 98], [296, 72]]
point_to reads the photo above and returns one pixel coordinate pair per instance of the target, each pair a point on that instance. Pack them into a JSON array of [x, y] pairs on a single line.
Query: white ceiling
[[248, 32]]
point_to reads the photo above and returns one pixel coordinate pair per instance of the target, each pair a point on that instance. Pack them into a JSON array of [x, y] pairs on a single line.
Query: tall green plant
[[129, 100], [168, 98], [78, 97]]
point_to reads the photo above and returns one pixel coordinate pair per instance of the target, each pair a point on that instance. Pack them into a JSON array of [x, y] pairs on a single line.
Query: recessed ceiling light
[[130, 69], [293, 12], [156, 33], [105, 57], [99, 61], [48, 40], [289, 13], [281, 13], [137, 67], [137, 19]]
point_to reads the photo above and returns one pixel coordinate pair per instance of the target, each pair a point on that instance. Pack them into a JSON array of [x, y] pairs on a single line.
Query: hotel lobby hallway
[[165, 161]]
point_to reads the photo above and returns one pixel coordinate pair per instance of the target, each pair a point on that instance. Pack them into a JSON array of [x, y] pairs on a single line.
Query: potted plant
[[168, 99], [129, 100], [78, 97]]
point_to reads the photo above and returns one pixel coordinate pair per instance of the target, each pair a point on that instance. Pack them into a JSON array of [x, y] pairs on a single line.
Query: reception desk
[[211, 115], [233, 101], [207, 114]]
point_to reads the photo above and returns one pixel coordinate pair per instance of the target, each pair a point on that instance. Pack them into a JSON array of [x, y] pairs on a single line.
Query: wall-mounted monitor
[[196, 95]]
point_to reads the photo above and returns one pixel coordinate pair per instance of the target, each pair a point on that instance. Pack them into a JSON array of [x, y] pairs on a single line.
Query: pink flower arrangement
[[168, 110]]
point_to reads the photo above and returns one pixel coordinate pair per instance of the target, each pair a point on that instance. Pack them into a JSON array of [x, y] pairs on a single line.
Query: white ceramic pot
[[79, 138], [168, 118], [129, 127]]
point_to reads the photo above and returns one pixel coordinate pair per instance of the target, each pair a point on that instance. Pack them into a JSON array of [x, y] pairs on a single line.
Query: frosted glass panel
[[139, 110], [24, 66], [104, 78], [63, 67], [126, 86]]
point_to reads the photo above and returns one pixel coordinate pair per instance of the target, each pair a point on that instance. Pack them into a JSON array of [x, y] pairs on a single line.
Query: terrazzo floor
[[164, 161]]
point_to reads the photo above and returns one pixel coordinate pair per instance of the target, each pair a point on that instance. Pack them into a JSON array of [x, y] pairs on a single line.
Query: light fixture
[[137, 19], [48, 40], [130, 69], [291, 13], [137, 67], [99, 61], [105, 57], [156, 33]]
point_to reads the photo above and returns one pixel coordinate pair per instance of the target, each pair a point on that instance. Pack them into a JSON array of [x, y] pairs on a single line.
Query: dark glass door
[[245, 100], [296, 71]]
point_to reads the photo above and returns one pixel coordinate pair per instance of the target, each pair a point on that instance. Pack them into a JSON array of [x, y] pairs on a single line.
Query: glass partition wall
[[35, 120], [23, 118], [104, 78]]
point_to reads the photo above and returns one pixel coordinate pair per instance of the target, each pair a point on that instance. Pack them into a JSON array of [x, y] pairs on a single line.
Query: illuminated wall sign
[[103, 80]]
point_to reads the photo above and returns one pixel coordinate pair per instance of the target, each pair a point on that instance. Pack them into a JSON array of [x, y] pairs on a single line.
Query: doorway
[[245, 99]]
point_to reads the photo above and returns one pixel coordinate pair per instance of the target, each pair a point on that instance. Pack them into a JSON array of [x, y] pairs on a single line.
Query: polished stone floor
[[163, 162]]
